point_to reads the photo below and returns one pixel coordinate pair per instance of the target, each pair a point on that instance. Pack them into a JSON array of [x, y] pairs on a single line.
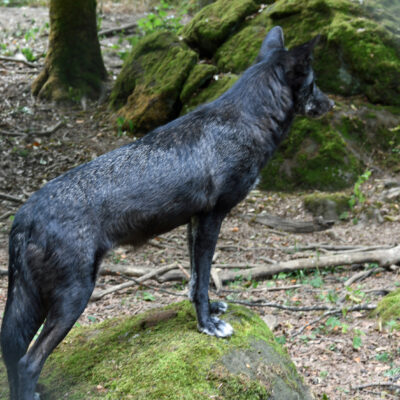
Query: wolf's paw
[[216, 327], [218, 307]]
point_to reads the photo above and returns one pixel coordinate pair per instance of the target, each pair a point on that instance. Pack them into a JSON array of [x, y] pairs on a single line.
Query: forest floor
[[334, 354]]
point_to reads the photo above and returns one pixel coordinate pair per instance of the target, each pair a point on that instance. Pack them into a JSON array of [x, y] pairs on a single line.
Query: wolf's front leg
[[203, 233]]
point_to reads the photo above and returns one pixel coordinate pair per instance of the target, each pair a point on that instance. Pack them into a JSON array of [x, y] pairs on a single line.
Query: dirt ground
[[334, 354]]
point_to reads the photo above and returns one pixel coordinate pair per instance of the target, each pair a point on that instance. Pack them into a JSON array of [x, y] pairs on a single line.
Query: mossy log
[[74, 67], [160, 355]]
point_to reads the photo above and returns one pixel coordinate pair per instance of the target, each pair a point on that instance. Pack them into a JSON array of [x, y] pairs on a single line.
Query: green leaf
[[148, 296], [357, 342]]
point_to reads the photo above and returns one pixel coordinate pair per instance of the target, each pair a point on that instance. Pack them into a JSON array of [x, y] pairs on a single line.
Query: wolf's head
[[307, 97]]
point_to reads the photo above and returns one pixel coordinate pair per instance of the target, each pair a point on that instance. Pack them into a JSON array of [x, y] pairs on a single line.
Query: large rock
[[160, 355], [147, 90], [388, 311], [356, 54], [216, 22], [314, 155], [218, 85]]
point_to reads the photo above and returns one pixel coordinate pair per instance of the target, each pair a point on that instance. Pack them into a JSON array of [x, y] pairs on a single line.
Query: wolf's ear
[[303, 54], [274, 40]]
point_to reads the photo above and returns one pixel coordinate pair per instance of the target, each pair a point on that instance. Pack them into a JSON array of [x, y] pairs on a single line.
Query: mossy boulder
[[372, 130], [240, 51], [200, 75], [216, 22], [147, 90], [218, 85], [161, 355], [314, 155], [328, 205], [356, 54], [388, 310]]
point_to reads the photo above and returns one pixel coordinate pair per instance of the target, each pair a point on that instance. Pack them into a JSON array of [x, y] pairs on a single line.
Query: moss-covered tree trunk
[[74, 66]]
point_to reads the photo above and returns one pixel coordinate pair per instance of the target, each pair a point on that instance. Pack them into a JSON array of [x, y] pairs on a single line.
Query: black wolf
[[191, 171]]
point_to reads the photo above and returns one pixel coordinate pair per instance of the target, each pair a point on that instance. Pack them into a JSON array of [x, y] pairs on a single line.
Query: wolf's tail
[[23, 315]]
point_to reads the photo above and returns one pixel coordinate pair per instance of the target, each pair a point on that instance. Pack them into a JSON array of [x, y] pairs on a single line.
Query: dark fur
[[190, 171]]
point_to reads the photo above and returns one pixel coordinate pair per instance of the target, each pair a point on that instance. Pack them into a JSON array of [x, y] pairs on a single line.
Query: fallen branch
[[47, 132], [343, 248], [97, 295], [361, 276], [267, 289], [179, 275], [117, 29], [124, 269], [377, 384], [8, 197], [286, 225], [384, 258], [155, 288], [21, 61]]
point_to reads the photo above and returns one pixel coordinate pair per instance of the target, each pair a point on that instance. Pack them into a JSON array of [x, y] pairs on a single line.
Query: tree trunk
[[74, 67]]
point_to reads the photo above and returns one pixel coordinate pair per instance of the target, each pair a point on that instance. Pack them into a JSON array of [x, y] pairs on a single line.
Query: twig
[[277, 288], [343, 248], [21, 61], [183, 271], [377, 384], [157, 289], [12, 134], [6, 215], [97, 295], [153, 243], [8, 197], [331, 310], [237, 265], [217, 280], [117, 29], [46, 132], [367, 307]]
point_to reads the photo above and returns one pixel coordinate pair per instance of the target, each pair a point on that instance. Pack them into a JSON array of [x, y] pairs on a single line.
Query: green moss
[[356, 54], [160, 355], [313, 156], [215, 89], [216, 22], [388, 308], [200, 75], [239, 52], [151, 80], [329, 205]]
